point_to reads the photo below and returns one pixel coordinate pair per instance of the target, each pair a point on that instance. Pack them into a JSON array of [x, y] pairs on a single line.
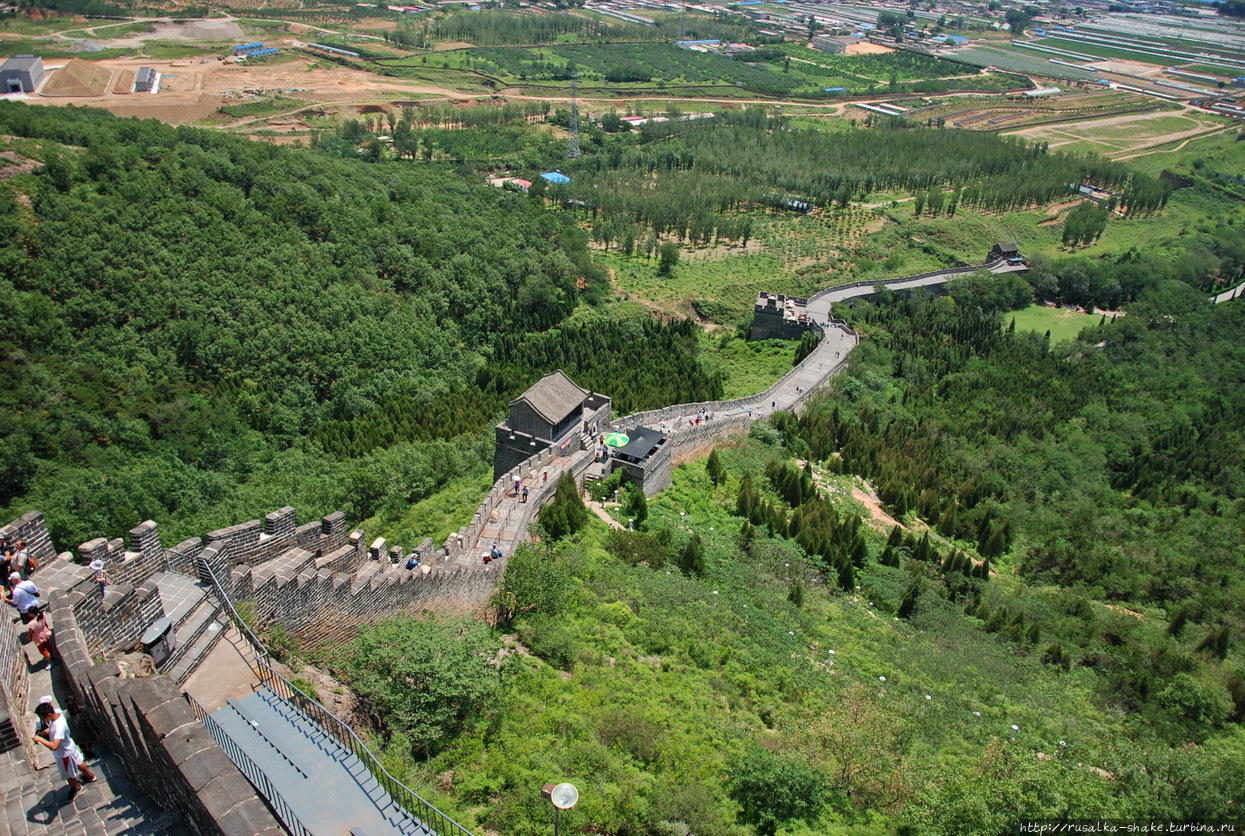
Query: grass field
[[1063, 324], [746, 367]]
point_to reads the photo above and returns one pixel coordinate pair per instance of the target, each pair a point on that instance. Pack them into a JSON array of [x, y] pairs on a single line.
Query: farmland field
[[1103, 51], [1121, 133], [1019, 62]]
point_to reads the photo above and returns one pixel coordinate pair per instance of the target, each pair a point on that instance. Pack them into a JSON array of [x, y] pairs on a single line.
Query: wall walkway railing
[[333, 726], [250, 769]]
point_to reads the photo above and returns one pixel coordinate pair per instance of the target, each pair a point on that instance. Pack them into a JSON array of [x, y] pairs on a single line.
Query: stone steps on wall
[[327, 786], [35, 803], [198, 635], [197, 621]]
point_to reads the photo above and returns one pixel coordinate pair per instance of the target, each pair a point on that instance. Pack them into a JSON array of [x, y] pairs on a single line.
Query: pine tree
[[847, 578], [995, 544], [1178, 622], [908, 605], [692, 558], [796, 595], [637, 505], [715, 469]]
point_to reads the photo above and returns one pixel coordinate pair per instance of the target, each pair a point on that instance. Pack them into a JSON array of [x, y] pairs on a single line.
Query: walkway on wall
[[1237, 292], [325, 785], [507, 525], [819, 304], [36, 802]]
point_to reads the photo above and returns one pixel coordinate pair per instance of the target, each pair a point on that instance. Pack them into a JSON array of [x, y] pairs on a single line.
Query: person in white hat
[[101, 576]]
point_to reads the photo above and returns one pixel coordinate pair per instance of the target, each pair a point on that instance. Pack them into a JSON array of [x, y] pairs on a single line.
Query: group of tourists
[[24, 595]]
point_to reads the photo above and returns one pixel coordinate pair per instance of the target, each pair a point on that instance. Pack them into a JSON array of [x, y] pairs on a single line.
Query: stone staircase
[[36, 801], [36, 804], [324, 784], [198, 622]]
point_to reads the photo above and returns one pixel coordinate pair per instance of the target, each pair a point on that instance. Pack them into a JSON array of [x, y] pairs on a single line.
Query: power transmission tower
[[572, 145]]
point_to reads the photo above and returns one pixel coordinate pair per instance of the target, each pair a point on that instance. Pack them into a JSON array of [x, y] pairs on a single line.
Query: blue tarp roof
[[556, 177]]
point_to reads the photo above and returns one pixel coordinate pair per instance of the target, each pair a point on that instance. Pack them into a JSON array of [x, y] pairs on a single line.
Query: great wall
[[319, 581]]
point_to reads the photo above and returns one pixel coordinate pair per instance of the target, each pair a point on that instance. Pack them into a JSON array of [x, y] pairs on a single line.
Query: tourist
[[41, 636], [101, 575], [25, 596], [495, 552], [412, 560], [517, 484], [85, 730], [22, 561], [544, 475], [68, 757], [525, 494]]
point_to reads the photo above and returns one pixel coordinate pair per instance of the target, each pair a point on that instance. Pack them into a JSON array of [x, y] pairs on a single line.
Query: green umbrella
[[616, 439]]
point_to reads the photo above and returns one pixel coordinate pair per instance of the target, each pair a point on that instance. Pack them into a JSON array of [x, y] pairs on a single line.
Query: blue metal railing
[[250, 769], [403, 796]]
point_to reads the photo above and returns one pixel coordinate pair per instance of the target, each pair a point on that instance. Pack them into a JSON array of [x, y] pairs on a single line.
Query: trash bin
[[159, 640]]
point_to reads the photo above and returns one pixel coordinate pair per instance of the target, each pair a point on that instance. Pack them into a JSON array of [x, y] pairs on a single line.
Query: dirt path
[[1179, 147], [596, 508], [1076, 131], [878, 518]]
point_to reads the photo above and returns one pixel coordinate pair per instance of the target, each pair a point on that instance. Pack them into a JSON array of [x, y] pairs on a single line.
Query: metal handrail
[[249, 768], [406, 799]]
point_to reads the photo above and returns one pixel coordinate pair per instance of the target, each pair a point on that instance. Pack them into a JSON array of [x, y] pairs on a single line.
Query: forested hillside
[[1051, 630], [182, 310]]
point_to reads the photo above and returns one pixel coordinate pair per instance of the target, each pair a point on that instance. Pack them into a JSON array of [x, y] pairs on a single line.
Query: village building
[[21, 74], [835, 44]]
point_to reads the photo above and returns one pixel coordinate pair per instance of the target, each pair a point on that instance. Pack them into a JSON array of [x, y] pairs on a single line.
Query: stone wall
[[14, 691], [32, 528], [167, 752], [321, 606]]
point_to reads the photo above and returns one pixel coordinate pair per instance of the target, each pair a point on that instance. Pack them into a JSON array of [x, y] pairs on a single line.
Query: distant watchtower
[[554, 412], [780, 317]]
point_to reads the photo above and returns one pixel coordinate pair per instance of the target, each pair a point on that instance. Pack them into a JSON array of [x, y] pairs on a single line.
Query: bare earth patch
[[867, 48], [878, 518]]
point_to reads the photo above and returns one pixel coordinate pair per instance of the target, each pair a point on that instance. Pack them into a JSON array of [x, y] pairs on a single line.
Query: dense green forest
[[708, 168], [198, 329]]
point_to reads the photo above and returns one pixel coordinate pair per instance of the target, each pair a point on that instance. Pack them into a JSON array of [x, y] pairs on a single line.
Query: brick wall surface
[[14, 691], [32, 528]]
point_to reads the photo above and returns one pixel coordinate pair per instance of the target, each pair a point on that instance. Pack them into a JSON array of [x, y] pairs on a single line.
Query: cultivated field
[[1119, 134]]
